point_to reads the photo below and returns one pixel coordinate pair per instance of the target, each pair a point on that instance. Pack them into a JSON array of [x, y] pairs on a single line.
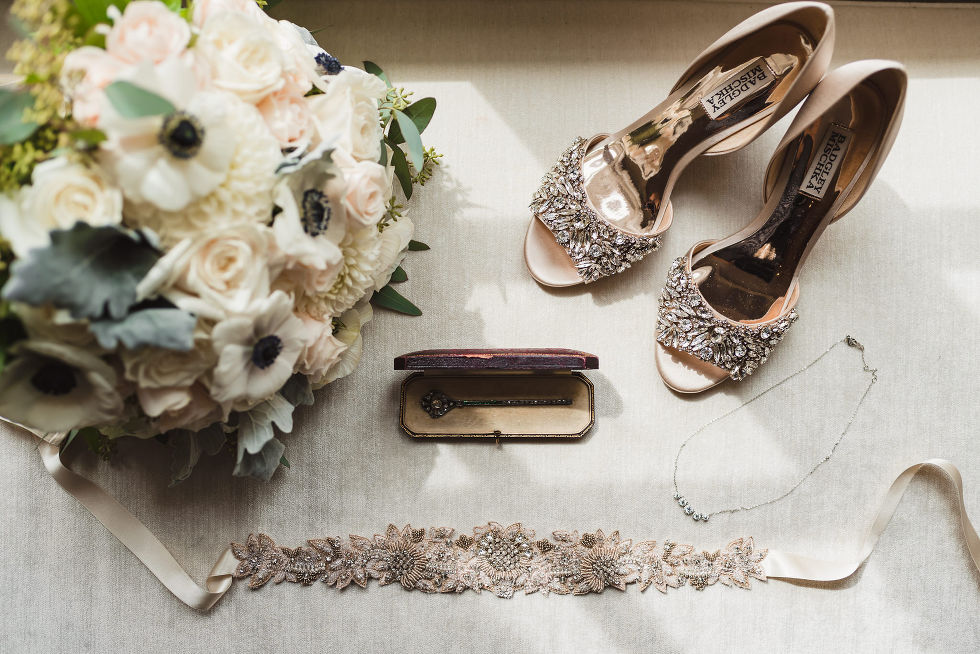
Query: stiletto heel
[[605, 203], [727, 303]]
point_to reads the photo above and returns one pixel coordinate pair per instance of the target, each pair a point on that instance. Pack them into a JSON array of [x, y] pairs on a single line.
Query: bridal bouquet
[[197, 211]]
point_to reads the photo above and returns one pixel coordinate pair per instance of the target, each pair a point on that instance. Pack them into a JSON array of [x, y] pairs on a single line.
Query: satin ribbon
[[786, 565], [134, 535]]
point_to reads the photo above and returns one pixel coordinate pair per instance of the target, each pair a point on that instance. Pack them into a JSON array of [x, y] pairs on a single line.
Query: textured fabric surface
[[516, 82]]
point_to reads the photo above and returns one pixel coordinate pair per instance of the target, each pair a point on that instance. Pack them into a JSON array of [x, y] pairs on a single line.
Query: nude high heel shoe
[[604, 205], [727, 303]]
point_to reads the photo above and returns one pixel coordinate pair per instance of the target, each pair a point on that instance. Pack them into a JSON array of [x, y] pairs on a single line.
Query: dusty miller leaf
[[91, 271], [263, 464], [255, 427], [167, 328]]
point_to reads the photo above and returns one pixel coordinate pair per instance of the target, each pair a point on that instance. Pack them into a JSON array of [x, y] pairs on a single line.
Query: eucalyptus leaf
[[13, 128], [420, 112], [167, 328], [417, 246], [263, 464], [413, 139], [132, 101], [389, 298], [375, 70], [398, 276], [91, 271], [402, 171]]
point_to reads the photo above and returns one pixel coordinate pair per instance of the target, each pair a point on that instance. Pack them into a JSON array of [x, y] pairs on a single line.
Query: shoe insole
[[628, 178], [748, 273]]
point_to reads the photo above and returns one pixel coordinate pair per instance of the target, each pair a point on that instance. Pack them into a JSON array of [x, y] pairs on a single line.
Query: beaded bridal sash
[[502, 560]]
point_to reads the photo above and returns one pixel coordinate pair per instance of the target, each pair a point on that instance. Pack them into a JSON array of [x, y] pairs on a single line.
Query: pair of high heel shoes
[[727, 302]]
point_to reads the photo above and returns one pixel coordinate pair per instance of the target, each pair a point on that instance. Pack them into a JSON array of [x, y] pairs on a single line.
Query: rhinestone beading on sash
[[688, 324], [498, 559], [597, 248]]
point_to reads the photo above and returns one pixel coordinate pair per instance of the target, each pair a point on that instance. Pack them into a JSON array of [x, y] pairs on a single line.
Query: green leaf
[[412, 139], [417, 246], [383, 160], [167, 328], [91, 271], [188, 446], [133, 101], [95, 11], [398, 276], [421, 114], [88, 137], [13, 129], [389, 298], [402, 171], [297, 390], [375, 70], [283, 461]]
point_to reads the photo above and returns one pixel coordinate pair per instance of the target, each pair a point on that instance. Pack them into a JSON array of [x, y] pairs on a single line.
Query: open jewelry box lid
[[499, 359]]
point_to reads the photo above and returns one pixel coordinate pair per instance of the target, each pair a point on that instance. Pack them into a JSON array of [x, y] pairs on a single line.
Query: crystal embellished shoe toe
[[605, 203], [728, 303]]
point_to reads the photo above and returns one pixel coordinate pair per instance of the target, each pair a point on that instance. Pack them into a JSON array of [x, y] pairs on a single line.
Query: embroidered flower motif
[[398, 556], [739, 561], [500, 560], [303, 565], [503, 556], [661, 566], [260, 560], [350, 564], [609, 562]]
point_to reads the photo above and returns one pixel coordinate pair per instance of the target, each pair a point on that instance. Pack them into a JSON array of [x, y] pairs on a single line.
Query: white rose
[[147, 30], [368, 188], [394, 244], [347, 113], [321, 349], [216, 275], [61, 193], [351, 321], [180, 408], [244, 55], [204, 9], [153, 367]]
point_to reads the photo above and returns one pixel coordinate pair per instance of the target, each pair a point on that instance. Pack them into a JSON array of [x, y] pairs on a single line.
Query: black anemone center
[[182, 134], [329, 64], [316, 212], [264, 352], [54, 378]]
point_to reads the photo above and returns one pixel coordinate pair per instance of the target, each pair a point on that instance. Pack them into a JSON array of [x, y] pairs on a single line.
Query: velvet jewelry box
[[502, 393]]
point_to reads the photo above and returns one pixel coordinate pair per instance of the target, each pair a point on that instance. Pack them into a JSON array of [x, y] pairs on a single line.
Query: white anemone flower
[[53, 387], [170, 160], [256, 351]]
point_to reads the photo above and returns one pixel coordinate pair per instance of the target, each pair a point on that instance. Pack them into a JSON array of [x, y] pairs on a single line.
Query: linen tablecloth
[[516, 82]]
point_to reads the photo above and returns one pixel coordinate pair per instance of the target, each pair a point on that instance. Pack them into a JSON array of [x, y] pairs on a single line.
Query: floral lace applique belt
[[502, 560]]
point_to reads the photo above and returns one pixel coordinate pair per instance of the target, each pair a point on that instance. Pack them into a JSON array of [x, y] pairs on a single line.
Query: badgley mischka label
[[826, 161], [749, 80]]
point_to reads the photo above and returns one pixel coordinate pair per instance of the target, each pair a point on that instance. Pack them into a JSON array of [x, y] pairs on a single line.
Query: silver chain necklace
[[699, 516]]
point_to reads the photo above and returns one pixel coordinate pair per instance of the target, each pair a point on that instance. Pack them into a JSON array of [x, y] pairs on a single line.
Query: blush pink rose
[[147, 30], [85, 72], [288, 117]]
